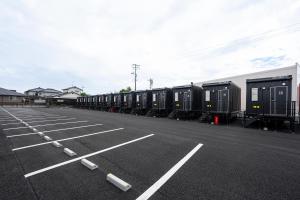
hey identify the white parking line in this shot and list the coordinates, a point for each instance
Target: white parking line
(4, 118)
(8, 120)
(149, 192)
(85, 156)
(34, 118)
(60, 123)
(11, 123)
(65, 139)
(7, 129)
(55, 130)
(51, 120)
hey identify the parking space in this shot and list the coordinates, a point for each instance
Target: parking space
(159, 158)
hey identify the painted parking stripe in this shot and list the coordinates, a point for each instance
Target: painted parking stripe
(60, 123)
(12, 123)
(22, 127)
(65, 139)
(12, 120)
(34, 118)
(85, 156)
(51, 120)
(8, 120)
(149, 192)
(55, 130)
(7, 129)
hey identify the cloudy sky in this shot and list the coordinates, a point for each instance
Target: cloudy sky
(93, 43)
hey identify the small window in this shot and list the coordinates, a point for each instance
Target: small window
(115, 98)
(137, 98)
(176, 96)
(125, 96)
(106, 99)
(154, 97)
(207, 95)
(254, 94)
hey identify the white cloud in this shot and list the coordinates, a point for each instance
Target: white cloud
(175, 42)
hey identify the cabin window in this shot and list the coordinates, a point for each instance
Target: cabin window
(137, 98)
(207, 95)
(154, 97)
(254, 94)
(115, 98)
(125, 96)
(176, 96)
(106, 98)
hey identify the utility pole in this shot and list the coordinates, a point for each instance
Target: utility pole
(151, 83)
(135, 67)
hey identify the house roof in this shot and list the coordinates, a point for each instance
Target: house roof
(72, 87)
(5, 92)
(48, 90)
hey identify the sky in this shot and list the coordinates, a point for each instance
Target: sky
(92, 44)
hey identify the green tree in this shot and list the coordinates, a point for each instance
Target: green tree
(83, 94)
(128, 89)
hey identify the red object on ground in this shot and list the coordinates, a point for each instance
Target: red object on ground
(216, 120)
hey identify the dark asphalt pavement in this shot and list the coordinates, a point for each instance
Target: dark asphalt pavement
(233, 163)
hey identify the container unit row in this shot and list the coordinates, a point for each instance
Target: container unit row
(268, 97)
(183, 100)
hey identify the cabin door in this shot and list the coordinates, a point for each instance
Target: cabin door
(187, 101)
(162, 100)
(144, 100)
(129, 100)
(223, 100)
(279, 100)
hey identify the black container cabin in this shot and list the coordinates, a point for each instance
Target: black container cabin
(110, 102)
(129, 102)
(162, 102)
(269, 100)
(102, 102)
(143, 102)
(93, 102)
(186, 102)
(78, 102)
(221, 101)
(81, 102)
(86, 102)
(269, 96)
(117, 102)
(89, 102)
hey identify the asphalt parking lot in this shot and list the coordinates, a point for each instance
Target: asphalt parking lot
(158, 157)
